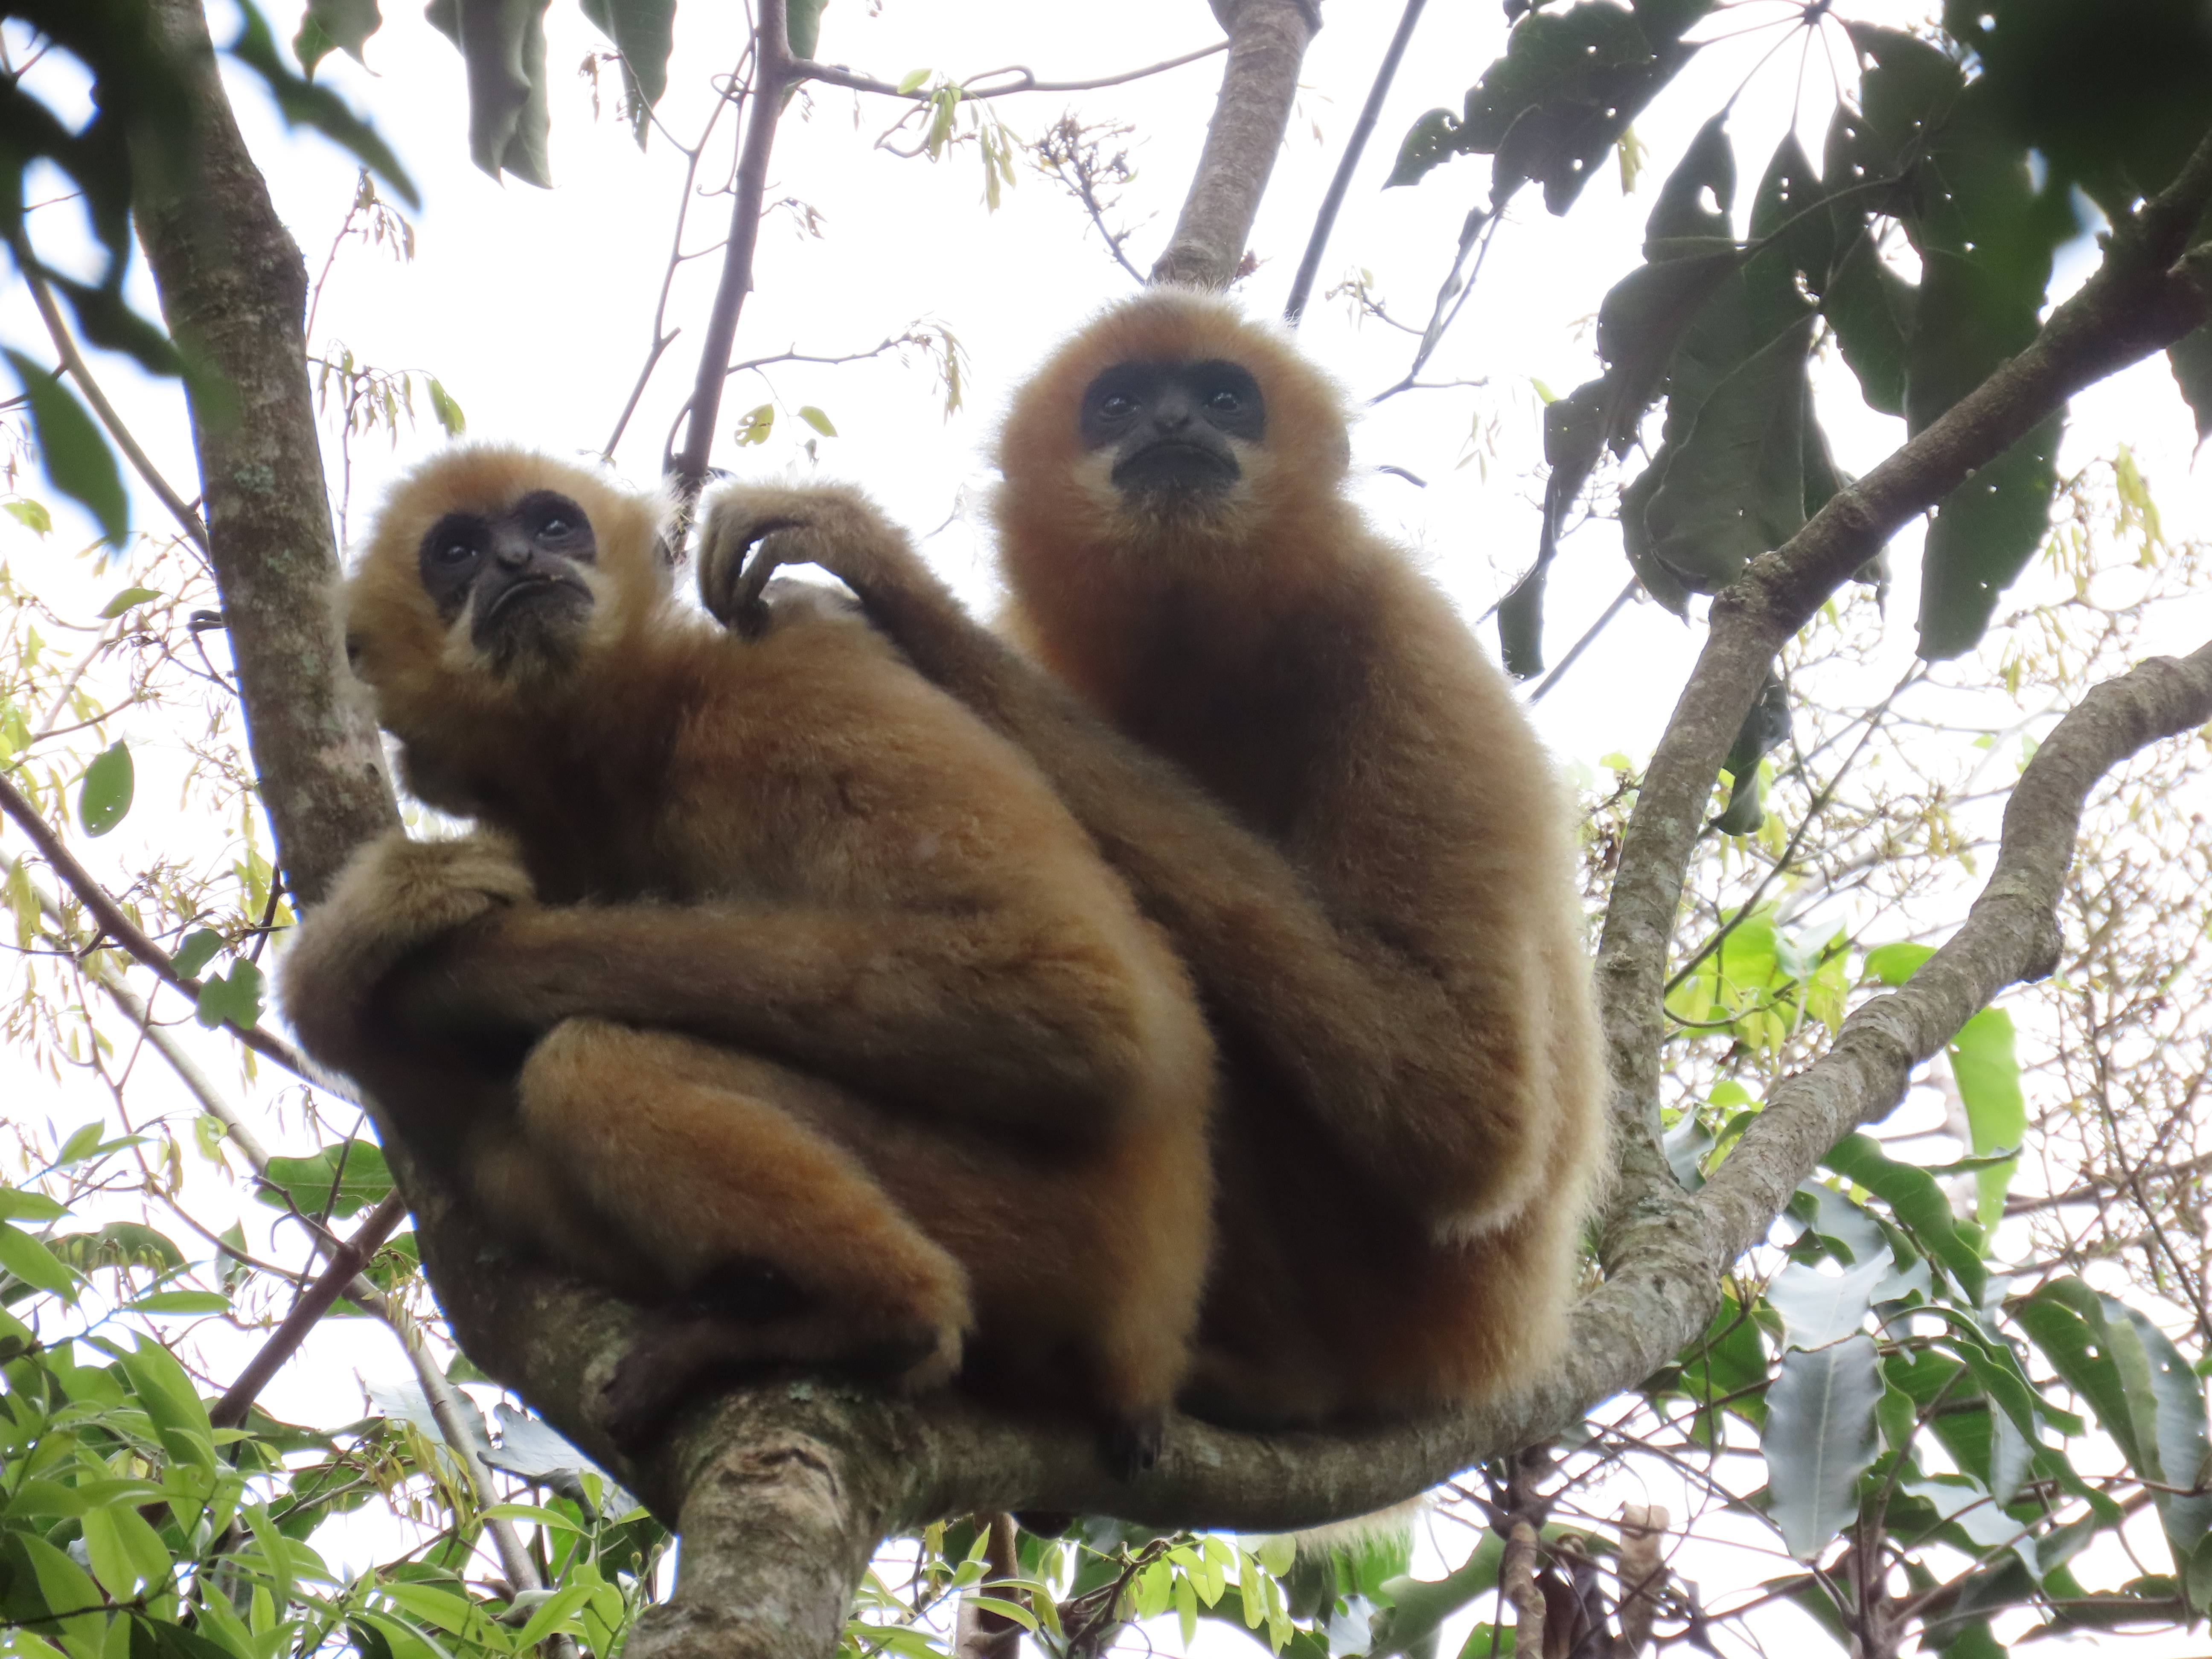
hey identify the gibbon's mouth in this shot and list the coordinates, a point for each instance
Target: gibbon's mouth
(529, 590)
(1175, 464)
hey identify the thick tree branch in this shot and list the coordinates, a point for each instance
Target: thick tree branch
(1267, 43)
(2144, 296)
(234, 289)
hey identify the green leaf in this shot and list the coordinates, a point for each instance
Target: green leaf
(644, 32)
(815, 418)
(345, 24)
(1917, 1202)
(125, 600)
(1550, 110)
(1985, 531)
(2065, 1319)
(30, 1260)
(235, 997)
(41, 1579)
(1416, 1609)
(196, 951)
(181, 1302)
(126, 1555)
(1818, 1308)
(2183, 1452)
(302, 103)
(802, 26)
(72, 448)
(31, 516)
(104, 797)
(911, 79)
(1893, 964)
(1870, 307)
(1988, 1074)
(1820, 1438)
(447, 408)
(755, 425)
(356, 1168)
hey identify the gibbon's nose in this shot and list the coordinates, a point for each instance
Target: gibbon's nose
(511, 550)
(1172, 411)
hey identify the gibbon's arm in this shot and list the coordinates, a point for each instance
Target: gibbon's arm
(1032, 1023)
(1431, 1095)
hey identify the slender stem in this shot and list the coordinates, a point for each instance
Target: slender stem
(1582, 644)
(127, 934)
(42, 296)
(1302, 285)
(347, 1261)
(773, 73)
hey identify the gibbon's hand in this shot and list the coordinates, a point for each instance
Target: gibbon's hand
(396, 894)
(753, 531)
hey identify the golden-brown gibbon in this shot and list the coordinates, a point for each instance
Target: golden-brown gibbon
(1317, 782)
(783, 995)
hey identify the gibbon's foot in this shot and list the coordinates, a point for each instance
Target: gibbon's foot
(686, 1356)
(753, 531)
(1132, 1445)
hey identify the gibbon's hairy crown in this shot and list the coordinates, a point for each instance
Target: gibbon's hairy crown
(1058, 491)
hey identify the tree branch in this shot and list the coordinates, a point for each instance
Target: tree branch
(1267, 43)
(775, 71)
(1302, 285)
(233, 288)
(2145, 295)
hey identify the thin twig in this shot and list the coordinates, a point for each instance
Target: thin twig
(1582, 644)
(128, 936)
(1325, 221)
(72, 360)
(805, 69)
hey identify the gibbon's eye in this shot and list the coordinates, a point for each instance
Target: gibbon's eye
(1225, 402)
(1117, 405)
(556, 526)
(455, 553)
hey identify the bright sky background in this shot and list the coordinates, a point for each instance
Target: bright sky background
(534, 308)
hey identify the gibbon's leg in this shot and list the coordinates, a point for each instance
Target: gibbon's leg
(776, 1245)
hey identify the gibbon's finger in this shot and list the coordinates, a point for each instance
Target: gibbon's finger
(770, 552)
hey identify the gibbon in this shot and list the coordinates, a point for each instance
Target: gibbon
(812, 1014)
(1317, 783)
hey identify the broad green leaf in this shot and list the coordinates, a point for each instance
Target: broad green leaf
(644, 32)
(17, 1203)
(1965, 1506)
(503, 46)
(1735, 486)
(343, 25)
(39, 1576)
(802, 26)
(1550, 110)
(2065, 1321)
(447, 408)
(236, 997)
(1988, 1075)
(1818, 1308)
(1893, 964)
(1984, 533)
(1416, 1608)
(1870, 307)
(195, 950)
(72, 449)
(181, 1302)
(30, 1260)
(104, 797)
(1819, 1438)
(815, 418)
(755, 425)
(1917, 1202)
(125, 600)
(354, 1170)
(302, 103)
(31, 516)
(2183, 1452)
(126, 1554)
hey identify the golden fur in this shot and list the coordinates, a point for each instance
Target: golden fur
(955, 1080)
(1374, 889)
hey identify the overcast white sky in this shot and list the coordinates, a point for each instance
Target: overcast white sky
(534, 308)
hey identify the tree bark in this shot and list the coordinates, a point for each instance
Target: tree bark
(1267, 43)
(234, 289)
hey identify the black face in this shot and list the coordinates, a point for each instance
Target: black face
(1169, 424)
(515, 571)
